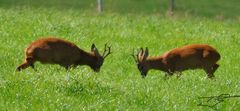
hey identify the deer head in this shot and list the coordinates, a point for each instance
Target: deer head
(99, 58)
(140, 59)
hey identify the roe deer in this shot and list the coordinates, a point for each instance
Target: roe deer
(58, 51)
(179, 59)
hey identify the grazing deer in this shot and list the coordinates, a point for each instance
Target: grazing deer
(179, 59)
(62, 52)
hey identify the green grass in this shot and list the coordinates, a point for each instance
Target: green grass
(118, 86)
(204, 8)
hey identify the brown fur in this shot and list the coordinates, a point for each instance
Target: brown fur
(58, 51)
(193, 56)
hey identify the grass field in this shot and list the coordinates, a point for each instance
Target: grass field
(204, 8)
(118, 86)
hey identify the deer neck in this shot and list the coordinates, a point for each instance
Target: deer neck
(156, 63)
(87, 59)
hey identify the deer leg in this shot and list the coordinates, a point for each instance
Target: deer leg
(168, 74)
(171, 71)
(210, 70)
(32, 65)
(179, 74)
(65, 65)
(67, 68)
(214, 67)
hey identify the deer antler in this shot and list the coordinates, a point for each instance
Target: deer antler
(105, 50)
(140, 54)
(135, 56)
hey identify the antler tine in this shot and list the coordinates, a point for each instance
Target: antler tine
(142, 51)
(140, 54)
(105, 50)
(135, 56)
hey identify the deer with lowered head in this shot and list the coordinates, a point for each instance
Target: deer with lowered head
(195, 56)
(58, 51)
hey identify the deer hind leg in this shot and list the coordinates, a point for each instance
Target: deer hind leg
(210, 70)
(167, 76)
(179, 74)
(28, 62)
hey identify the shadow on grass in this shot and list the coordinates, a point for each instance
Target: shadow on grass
(83, 88)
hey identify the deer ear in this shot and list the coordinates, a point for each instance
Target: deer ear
(145, 54)
(93, 47)
(95, 50)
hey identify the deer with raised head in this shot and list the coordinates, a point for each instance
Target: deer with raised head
(58, 51)
(195, 56)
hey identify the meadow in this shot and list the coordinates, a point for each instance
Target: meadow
(118, 86)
